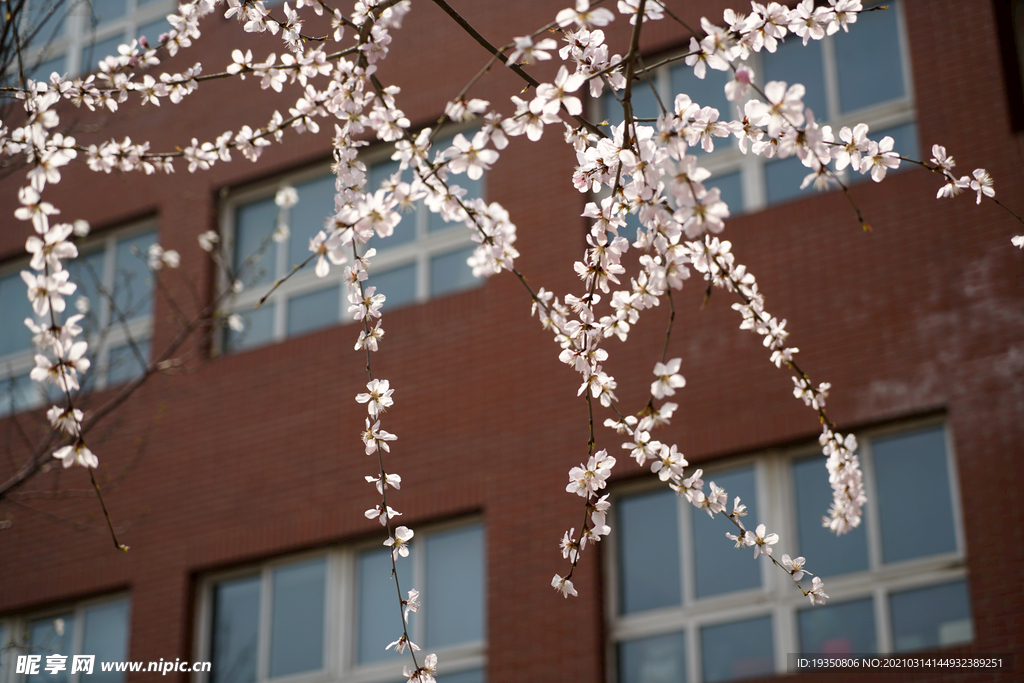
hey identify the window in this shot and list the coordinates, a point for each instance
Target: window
(424, 258)
(112, 276)
(95, 627)
(687, 606)
(330, 615)
(860, 76)
(71, 38)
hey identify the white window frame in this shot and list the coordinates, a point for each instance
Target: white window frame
(341, 616)
(112, 334)
(727, 158)
(420, 251)
(778, 597)
(19, 624)
(79, 33)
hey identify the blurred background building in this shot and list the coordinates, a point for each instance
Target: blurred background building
(237, 477)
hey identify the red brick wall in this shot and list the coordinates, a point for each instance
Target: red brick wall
(256, 454)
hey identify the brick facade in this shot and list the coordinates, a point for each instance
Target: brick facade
(254, 455)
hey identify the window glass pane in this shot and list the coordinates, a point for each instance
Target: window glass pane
(48, 20)
(258, 330)
(297, 618)
(87, 273)
(904, 140)
(838, 629)
(122, 363)
(783, 178)
(45, 637)
(649, 553)
(42, 70)
(794, 63)
(927, 618)
(379, 620)
(731, 187)
(742, 649)
(103, 11)
(450, 273)
(236, 616)
(914, 500)
(454, 599)
(661, 659)
(153, 30)
(314, 311)
(93, 54)
(868, 60)
(133, 282)
(829, 554)
(473, 188)
(14, 308)
(709, 92)
(4, 647)
(397, 284)
(405, 231)
(17, 394)
(106, 636)
(254, 224)
(645, 104)
(306, 219)
(474, 676)
(719, 566)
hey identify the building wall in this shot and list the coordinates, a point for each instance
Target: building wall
(249, 456)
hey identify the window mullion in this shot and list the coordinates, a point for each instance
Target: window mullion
(263, 631)
(686, 550)
(870, 512)
(883, 623)
(831, 69)
(693, 658)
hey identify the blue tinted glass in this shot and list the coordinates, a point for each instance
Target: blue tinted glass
(405, 231)
(314, 311)
(93, 54)
(124, 365)
(645, 104)
(380, 623)
(830, 554)
(783, 178)
(306, 219)
(719, 566)
(926, 618)
(709, 92)
(794, 63)
(904, 143)
(731, 187)
(255, 254)
(17, 394)
(14, 308)
(51, 636)
(133, 283)
(297, 618)
(450, 273)
(647, 550)
(87, 274)
(742, 649)
(661, 659)
(868, 60)
(397, 284)
(838, 629)
(911, 475)
(47, 20)
(153, 30)
(106, 637)
(236, 616)
(474, 676)
(258, 329)
(42, 70)
(453, 602)
(103, 11)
